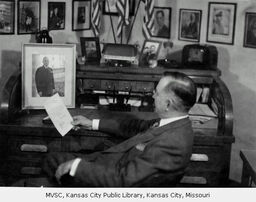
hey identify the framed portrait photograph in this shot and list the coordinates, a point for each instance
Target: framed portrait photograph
(162, 22)
(81, 15)
(90, 48)
(109, 7)
(190, 25)
(149, 52)
(250, 30)
(48, 69)
(28, 16)
(221, 22)
(7, 16)
(56, 15)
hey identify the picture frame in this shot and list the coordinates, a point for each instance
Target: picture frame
(190, 25)
(90, 48)
(48, 69)
(250, 30)
(56, 15)
(112, 10)
(81, 15)
(162, 22)
(221, 23)
(149, 51)
(7, 16)
(29, 14)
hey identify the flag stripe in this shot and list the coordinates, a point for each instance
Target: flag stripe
(123, 12)
(96, 16)
(148, 20)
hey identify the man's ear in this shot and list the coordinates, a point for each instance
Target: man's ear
(168, 104)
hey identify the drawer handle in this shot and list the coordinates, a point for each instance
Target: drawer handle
(193, 180)
(30, 170)
(33, 148)
(199, 157)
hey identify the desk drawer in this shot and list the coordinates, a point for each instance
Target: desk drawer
(91, 84)
(144, 87)
(18, 166)
(109, 85)
(210, 158)
(20, 145)
(126, 85)
(206, 167)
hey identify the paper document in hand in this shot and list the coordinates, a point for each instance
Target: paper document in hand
(58, 113)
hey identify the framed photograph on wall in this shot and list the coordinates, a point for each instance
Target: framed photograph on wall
(28, 16)
(81, 15)
(109, 7)
(221, 22)
(190, 25)
(162, 22)
(48, 69)
(250, 30)
(90, 48)
(56, 15)
(149, 51)
(7, 16)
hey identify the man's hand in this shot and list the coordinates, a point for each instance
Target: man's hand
(40, 94)
(82, 121)
(63, 169)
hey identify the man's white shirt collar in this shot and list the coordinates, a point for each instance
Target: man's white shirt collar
(169, 120)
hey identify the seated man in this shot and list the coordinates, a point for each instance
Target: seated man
(151, 151)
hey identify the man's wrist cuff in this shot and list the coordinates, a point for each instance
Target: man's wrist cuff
(74, 166)
(95, 124)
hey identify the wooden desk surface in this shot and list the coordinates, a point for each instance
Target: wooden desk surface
(31, 123)
(249, 157)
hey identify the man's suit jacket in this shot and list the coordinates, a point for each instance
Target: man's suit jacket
(162, 150)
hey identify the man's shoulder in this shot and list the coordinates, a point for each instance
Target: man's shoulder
(165, 28)
(40, 68)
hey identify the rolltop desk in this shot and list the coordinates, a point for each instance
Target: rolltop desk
(25, 140)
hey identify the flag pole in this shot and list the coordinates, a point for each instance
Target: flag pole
(135, 16)
(111, 21)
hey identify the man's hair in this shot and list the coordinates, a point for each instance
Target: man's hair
(160, 11)
(182, 89)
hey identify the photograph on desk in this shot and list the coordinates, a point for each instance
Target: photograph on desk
(90, 48)
(47, 69)
(149, 52)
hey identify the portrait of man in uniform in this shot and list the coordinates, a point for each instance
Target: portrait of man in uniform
(48, 69)
(44, 79)
(221, 22)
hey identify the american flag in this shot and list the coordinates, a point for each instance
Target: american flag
(123, 12)
(96, 16)
(148, 20)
